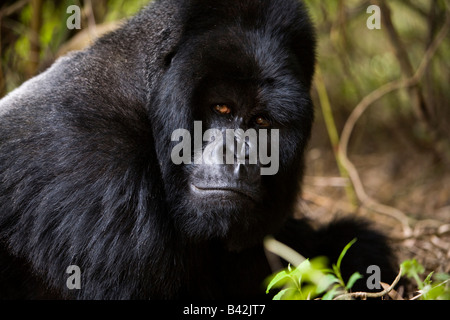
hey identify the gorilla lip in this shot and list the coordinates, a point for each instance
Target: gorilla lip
(225, 189)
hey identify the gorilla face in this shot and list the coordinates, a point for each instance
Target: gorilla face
(229, 79)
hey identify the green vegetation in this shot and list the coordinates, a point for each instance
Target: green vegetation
(433, 287)
(314, 280)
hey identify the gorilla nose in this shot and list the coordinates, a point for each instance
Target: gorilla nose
(248, 173)
(228, 168)
(231, 149)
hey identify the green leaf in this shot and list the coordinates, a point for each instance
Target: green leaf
(427, 280)
(280, 294)
(341, 256)
(332, 293)
(325, 283)
(308, 292)
(302, 269)
(337, 267)
(411, 268)
(355, 277)
(437, 292)
(327, 270)
(337, 272)
(430, 293)
(278, 280)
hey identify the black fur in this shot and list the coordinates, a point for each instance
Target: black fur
(85, 170)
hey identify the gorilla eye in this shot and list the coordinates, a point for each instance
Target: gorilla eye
(262, 122)
(222, 109)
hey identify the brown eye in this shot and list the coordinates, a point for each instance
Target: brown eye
(222, 109)
(262, 122)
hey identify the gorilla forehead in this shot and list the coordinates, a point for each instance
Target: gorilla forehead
(250, 39)
(278, 15)
(259, 28)
(243, 54)
(250, 66)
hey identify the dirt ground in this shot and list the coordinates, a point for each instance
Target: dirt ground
(410, 183)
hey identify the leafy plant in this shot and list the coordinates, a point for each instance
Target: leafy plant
(434, 287)
(313, 279)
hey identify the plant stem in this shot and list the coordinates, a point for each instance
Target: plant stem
(333, 134)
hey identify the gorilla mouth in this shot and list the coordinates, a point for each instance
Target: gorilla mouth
(229, 191)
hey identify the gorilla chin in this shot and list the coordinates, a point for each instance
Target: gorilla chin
(229, 210)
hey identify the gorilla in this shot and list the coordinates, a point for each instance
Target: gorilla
(86, 170)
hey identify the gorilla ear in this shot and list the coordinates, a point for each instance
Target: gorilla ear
(169, 58)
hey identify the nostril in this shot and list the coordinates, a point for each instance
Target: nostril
(247, 150)
(250, 174)
(237, 170)
(240, 147)
(242, 152)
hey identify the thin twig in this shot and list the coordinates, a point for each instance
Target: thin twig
(418, 296)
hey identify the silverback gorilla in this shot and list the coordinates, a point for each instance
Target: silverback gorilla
(87, 179)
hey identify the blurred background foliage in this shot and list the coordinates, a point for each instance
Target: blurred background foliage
(34, 32)
(400, 145)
